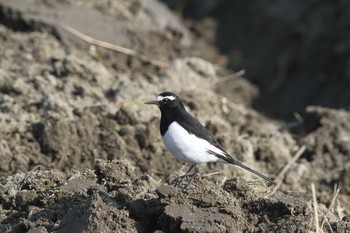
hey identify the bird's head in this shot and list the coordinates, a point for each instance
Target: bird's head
(166, 100)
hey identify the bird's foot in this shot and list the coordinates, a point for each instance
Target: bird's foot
(191, 177)
(179, 180)
(183, 182)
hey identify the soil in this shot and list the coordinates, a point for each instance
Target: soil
(80, 152)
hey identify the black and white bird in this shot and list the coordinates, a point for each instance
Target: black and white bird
(188, 140)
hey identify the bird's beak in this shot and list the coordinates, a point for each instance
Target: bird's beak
(152, 102)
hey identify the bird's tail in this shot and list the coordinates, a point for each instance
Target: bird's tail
(244, 167)
(227, 158)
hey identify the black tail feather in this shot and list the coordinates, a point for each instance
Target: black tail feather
(244, 167)
(231, 160)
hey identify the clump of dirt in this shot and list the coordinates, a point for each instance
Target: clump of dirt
(113, 197)
(327, 142)
(81, 152)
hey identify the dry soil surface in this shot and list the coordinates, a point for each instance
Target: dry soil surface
(80, 152)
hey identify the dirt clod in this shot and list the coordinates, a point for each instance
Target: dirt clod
(80, 152)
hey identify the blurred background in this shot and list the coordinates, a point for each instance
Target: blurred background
(296, 52)
(73, 120)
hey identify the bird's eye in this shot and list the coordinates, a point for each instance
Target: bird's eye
(165, 100)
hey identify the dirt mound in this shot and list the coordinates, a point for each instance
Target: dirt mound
(80, 151)
(113, 197)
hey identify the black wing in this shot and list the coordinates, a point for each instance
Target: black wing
(194, 127)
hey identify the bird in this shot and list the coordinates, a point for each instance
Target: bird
(188, 140)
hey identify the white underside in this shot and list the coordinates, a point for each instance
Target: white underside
(187, 147)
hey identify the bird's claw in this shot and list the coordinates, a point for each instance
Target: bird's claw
(179, 180)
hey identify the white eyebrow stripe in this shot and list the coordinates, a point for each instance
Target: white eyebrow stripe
(160, 98)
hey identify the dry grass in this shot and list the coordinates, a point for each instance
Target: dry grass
(116, 48)
(230, 76)
(335, 196)
(315, 222)
(283, 172)
(314, 201)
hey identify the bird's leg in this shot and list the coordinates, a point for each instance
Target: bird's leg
(196, 171)
(179, 180)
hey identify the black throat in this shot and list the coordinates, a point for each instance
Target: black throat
(169, 115)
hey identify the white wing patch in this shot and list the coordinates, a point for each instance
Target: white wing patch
(189, 148)
(160, 98)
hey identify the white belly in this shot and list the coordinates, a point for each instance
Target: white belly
(188, 147)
